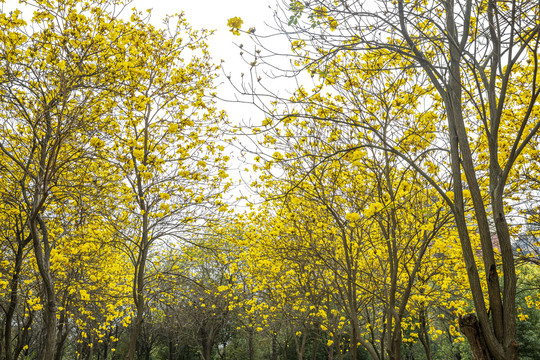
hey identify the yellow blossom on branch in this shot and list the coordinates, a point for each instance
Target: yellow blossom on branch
(235, 24)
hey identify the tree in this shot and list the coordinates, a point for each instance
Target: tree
(57, 76)
(165, 145)
(478, 61)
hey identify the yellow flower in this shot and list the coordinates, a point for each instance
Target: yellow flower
(333, 23)
(352, 217)
(235, 23)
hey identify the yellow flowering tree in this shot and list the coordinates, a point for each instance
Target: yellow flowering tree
(164, 143)
(56, 79)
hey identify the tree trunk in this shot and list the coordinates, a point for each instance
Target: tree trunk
(300, 347)
(331, 352)
(43, 263)
(138, 284)
(314, 346)
(13, 300)
(148, 350)
(91, 351)
(63, 336)
(354, 343)
(105, 350)
(50, 326)
(251, 347)
(423, 333)
(135, 331)
(361, 340)
(274, 347)
(24, 336)
(469, 326)
(1, 342)
(208, 352)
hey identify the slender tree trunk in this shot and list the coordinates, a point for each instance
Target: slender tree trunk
(105, 350)
(148, 350)
(13, 299)
(300, 347)
(135, 331)
(284, 350)
(208, 352)
(354, 343)
(274, 346)
(251, 345)
(43, 263)
(424, 337)
(50, 323)
(1, 342)
(331, 352)
(23, 336)
(314, 346)
(138, 285)
(91, 351)
(63, 334)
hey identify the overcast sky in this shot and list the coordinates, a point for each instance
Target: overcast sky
(213, 15)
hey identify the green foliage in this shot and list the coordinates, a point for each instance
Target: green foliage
(528, 329)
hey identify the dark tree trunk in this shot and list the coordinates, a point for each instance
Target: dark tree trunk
(23, 336)
(14, 297)
(1, 342)
(300, 347)
(49, 298)
(314, 347)
(207, 352)
(63, 332)
(148, 350)
(274, 347)
(251, 346)
(424, 336)
(469, 326)
(331, 352)
(138, 286)
(135, 331)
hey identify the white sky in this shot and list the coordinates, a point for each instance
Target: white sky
(213, 15)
